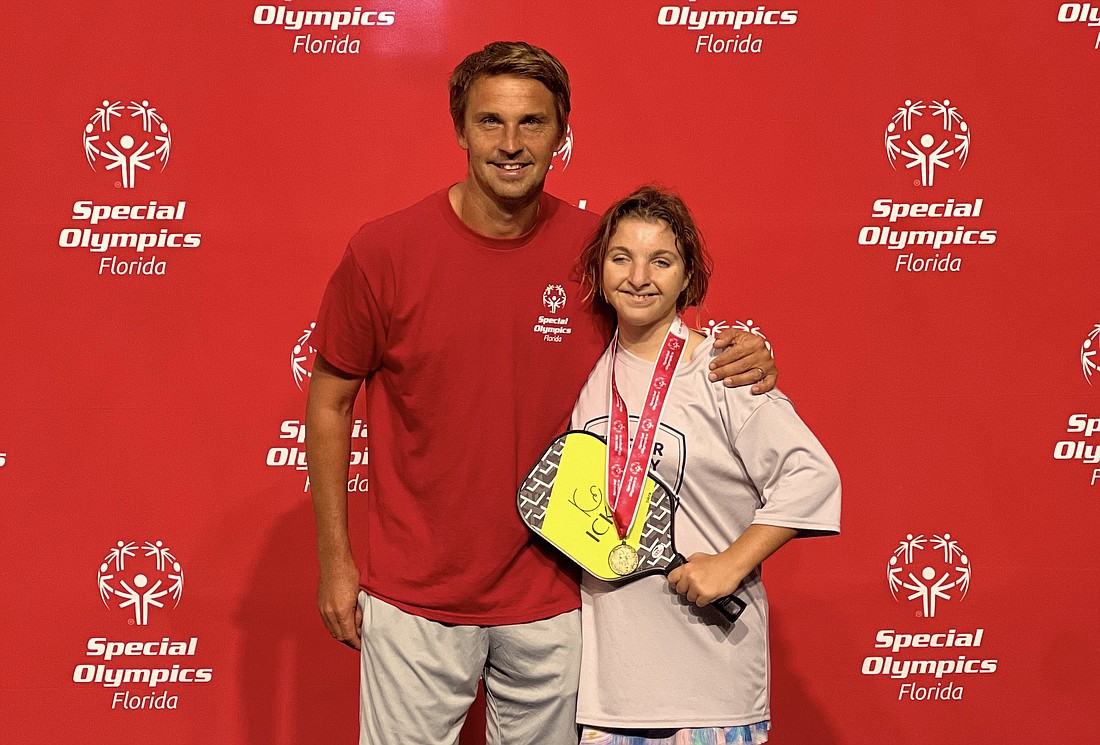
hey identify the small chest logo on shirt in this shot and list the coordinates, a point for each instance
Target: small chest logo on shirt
(553, 297)
(553, 327)
(669, 451)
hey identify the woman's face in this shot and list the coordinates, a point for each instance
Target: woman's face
(643, 273)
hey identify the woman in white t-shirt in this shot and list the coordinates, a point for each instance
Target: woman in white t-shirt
(659, 666)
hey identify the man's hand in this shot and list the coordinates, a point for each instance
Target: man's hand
(745, 360)
(705, 578)
(337, 596)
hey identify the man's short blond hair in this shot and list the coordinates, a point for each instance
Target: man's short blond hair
(510, 58)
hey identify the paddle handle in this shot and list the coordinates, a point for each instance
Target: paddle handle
(730, 606)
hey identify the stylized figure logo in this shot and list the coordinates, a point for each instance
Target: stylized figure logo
(938, 141)
(302, 356)
(553, 297)
(126, 146)
(929, 570)
(565, 153)
(1089, 365)
(138, 577)
(717, 327)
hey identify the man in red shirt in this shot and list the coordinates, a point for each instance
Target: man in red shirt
(465, 318)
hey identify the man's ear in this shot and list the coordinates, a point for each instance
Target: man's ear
(561, 137)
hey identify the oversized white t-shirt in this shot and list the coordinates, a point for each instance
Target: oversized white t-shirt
(650, 658)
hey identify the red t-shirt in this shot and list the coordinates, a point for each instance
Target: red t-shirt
(475, 350)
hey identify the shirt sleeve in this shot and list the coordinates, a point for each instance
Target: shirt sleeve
(798, 483)
(352, 321)
(575, 419)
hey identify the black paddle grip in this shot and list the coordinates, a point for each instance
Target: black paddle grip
(731, 607)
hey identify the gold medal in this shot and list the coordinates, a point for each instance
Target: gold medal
(623, 560)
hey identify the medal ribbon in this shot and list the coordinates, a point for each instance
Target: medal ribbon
(626, 471)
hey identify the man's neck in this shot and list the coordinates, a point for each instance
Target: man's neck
(490, 218)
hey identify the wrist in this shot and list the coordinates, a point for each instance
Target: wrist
(336, 560)
(734, 567)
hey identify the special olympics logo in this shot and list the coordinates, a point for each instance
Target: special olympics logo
(302, 356)
(553, 297)
(717, 327)
(565, 152)
(1089, 365)
(138, 577)
(930, 570)
(127, 145)
(940, 141)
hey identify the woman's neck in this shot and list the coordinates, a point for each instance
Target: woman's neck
(645, 342)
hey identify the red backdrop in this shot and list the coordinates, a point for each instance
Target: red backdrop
(956, 389)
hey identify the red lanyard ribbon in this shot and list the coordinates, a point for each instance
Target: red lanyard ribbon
(626, 473)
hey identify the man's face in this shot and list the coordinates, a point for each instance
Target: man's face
(510, 133)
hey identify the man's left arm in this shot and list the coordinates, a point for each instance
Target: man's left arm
(744, 360)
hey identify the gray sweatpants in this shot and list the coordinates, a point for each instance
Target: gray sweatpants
(418, 678)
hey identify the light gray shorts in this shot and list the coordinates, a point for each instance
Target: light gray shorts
(418, 678)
